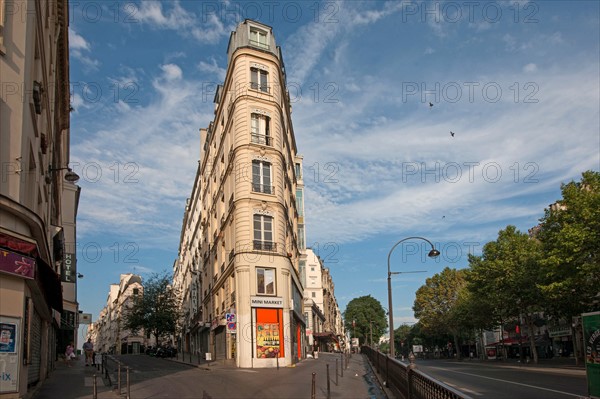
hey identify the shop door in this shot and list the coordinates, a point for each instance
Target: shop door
(220, 343)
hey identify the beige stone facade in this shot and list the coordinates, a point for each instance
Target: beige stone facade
(108, 332)
(37, 205)
(242, 241)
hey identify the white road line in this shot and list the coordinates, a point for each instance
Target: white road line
(510, 382)
(463, 389)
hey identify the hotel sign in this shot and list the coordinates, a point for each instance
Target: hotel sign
(68, 269)
(266, 302)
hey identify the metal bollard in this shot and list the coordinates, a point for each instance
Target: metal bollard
(277, 362)
(119, 378)
(190, 356)
(328, 384)
(313, 388)
(128, 386)
(95, 392)
(342, 369)
(336, 372)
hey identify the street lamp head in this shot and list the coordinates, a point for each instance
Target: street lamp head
(433, 253)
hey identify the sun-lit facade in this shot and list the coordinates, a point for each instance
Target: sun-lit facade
(245, 263)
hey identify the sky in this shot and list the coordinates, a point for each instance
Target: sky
(444, 120)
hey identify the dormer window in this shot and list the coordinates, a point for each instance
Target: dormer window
(258, 38)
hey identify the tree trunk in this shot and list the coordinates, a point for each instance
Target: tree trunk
(457, 347)
(529, 321)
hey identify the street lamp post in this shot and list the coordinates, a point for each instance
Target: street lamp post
(433, 253)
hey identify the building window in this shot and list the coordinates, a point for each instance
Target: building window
(265, 281)
(300, 202)
(258, 38)
(260, 129)
(301, 244)
(298, 171)
(258, 79)
(261, 177)
(263, 233)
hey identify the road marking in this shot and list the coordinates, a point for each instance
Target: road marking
(463, 389)
(510, 382)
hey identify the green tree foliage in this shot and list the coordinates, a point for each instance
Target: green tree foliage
(570, 236)
(366, 312)
(435, 303)
(506, 276)
(157, 310)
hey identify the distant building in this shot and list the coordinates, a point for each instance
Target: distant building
(38, 197)
(325, 327)
(108, 333)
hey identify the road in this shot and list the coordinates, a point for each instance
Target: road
(508, 381)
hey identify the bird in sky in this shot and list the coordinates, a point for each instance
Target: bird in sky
(430, 104)
(452, 134)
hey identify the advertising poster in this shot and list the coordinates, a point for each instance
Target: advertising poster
(267, 340)
(591, 337)
(9, 354)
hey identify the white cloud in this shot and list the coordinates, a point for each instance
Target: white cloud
(211, 67)
(77, 42)
(208, 29)
(171, 71)
(77, 46)
(531, 67)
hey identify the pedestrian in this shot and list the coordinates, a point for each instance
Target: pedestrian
(69, 354)
(88, 348)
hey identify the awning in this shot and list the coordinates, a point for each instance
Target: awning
(326, 335)
(49, 282)
(511, 341)
(45, 277)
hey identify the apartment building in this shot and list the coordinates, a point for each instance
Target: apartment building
(241, 239)
(108, 333)
(38, 197)
(325, 328)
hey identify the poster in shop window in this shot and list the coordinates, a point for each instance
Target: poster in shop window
(9, 354)
(267, 340)
(591, 337)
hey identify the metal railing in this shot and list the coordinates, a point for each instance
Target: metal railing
(406, 382)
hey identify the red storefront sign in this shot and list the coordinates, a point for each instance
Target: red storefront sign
(17, 264)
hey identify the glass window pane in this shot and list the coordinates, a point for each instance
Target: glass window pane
(260, 280)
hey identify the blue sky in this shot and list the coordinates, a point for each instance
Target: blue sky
(516, 82)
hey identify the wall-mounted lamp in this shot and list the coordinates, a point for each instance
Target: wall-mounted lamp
(70, 176)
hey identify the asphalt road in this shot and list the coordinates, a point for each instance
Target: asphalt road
(508, 381)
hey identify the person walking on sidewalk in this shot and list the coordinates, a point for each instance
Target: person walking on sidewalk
(88, 348)
(69, 354)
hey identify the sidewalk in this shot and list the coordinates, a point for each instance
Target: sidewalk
(193, 361)
(358, 381)
(75, 382)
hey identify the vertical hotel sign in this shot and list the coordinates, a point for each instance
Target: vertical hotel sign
(591, 338)
(68, 269)
(16, 264)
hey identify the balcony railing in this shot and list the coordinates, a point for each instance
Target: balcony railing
(260, 86)
(262, 188)
(264, 245)
(262, 139)
(258, 44)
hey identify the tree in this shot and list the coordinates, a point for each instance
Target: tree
(435, 302)
(157, 309)
(505, 278)
(570, 237)
(361, 315)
